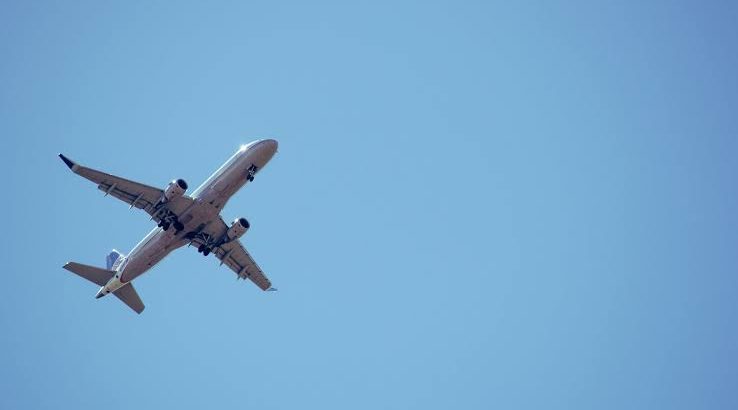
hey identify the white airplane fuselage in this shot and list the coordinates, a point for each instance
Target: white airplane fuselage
(209, 200)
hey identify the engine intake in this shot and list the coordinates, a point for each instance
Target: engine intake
(238, 228)
(175, 189)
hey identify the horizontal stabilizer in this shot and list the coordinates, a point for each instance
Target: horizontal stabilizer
(128, 295)
(95, 275)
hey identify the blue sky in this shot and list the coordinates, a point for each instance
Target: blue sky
(475, 204)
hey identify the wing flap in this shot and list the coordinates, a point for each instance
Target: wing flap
(140, 200)
(237, 258)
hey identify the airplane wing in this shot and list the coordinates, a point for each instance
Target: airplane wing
(238, 259)
(235, 256)
(133, 193)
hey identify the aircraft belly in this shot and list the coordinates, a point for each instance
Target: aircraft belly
(150, 253)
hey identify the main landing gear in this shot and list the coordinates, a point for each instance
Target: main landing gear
(208, 243)
(168, 219)
(178, 226)
(165, 224)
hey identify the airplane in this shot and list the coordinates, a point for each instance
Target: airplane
(181, 220)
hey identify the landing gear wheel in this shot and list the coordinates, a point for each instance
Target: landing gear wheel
(201, 248)
(178, 226)
(206, 252)
(165, 226)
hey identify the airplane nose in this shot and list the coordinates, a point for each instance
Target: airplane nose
(260, 151)
(272, 145)
(266, 149)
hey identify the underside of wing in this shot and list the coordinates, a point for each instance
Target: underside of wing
(135, 194)
(232, 254)
(235, 256)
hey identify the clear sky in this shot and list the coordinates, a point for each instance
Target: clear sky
(475, 205)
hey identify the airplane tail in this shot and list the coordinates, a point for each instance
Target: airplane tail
(112, 258)
(127, 294)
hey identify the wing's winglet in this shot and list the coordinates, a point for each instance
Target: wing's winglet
(272, 290)
(67, 161)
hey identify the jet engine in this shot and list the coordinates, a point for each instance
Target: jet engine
(237, 229)
(175, 189)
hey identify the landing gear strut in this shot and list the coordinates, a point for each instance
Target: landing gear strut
(207, 242)
(171, 220)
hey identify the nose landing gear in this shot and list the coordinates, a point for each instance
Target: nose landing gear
(251, 172)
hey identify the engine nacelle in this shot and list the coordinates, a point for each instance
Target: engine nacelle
(175, 189)
(237, 229)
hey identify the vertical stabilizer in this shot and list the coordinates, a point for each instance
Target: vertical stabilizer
(112, 258)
